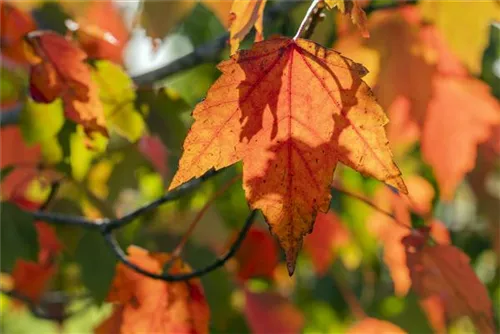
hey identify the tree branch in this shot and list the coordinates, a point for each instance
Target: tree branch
(115, 246)
(207, 52)
(106, 224)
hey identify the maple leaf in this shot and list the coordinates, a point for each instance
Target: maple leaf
(31, 278)
(469, 38)
(270, 312)
(257, 256)
(352, 9)
(391, 234)
(15, 23)
(444, 272)
(328, 235)
(375, 326)
(428, 94)
(289, 135)
(14, 151)
(145, 305)
(244, 15)
(58, 70)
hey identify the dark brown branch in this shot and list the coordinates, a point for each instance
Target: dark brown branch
(113, 243)
(106, 224)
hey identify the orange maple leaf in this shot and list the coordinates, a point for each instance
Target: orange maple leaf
(58, 70)
(429, 94)
(257, 256)
(444, 272)
(328, 234)
(244, 15)
(290, 110)
(269, 312)
(375, 326)
(145, 305)
(390, 233)
(15, 23)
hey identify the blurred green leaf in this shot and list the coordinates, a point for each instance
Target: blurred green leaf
(83, 150)
(117, 94)
(491, 60)
(5, 172)
(98, 264)
(41, 121)
(18, 237)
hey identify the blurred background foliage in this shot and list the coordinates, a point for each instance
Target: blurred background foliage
(106, 178)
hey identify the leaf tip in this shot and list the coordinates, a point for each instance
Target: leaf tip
(291, 259)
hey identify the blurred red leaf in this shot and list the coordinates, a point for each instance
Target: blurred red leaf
(15, 23)
(101, 31)
(327, 235)
(31, 278)
(153, 148)
(435, 312)
(270, 312)
(58, 70)
(375, 326)
(444, 272)
(257, 256)
(14, 152)
(145, 305)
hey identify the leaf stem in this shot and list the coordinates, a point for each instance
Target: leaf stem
(310, 20)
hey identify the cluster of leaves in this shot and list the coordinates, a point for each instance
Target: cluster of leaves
(85, 138)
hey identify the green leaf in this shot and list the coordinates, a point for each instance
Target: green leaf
(52, 152)
(5, 172)
(117, 94)
(18, 237)
(98, 264)
(83, 150)
(40, 121)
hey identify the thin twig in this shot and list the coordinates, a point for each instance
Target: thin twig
(309, 22)
(349, 296)
(178, 250)
(168, 197)
(370, 203)
(207, 52)
(106, 224)
(113, 243)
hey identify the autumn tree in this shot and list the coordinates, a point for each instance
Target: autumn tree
(250, 166)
